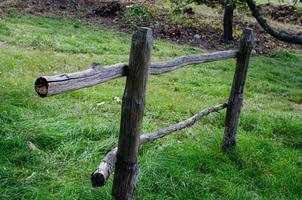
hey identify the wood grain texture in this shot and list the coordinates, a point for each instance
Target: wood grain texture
(163, 67)
(236, 96)
(100, 176)
(51, 85)
(124, 182)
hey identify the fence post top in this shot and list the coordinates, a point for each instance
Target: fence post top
(144, 29)
(248, 30)
(247, 35)
(142, 33)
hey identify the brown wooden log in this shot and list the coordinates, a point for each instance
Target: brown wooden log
(236, 96)
(51, 85)
(126, 169)
(100, 176)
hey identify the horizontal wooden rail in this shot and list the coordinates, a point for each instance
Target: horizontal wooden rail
(100, 176)
(52, 85)
(163, 67)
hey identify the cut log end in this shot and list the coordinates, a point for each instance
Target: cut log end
(41, 87)
(97, 179)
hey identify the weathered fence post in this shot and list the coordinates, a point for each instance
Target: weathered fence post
(126, 169)
(236, 96)
(228, 16)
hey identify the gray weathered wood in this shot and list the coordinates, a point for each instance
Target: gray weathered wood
(100, 176)
(52, 85)
(163, 67)
(236, 97)
(124, 182)
(181, 125)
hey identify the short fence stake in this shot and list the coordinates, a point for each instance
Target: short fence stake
(236, 96)
(126, 169)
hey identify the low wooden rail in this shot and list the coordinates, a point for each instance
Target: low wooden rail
(52, 85)
(124, 157)
(100, 176)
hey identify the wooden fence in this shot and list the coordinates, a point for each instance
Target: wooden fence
(124, 157)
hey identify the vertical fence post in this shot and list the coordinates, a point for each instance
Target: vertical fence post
(228, 16)
(236, 96)
(126, 169)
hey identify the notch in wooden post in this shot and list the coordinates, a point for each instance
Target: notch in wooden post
(126, 169)
(236, 97)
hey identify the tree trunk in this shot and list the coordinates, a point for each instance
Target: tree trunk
(280, 35)
(228, 21)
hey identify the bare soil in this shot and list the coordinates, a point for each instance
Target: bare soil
(283, 13)
(205, 36)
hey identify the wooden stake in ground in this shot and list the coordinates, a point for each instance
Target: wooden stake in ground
(228, 16)
(236, 96)
(133, 106)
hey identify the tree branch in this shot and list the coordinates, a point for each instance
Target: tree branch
(280, 35)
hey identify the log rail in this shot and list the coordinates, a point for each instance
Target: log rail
(100, 176)
(51, 85)
(124, 157)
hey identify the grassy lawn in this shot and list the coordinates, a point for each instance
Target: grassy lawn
(73, 131)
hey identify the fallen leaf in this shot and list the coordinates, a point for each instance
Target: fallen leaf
(32, 146)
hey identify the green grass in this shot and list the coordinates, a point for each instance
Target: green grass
(73, 132)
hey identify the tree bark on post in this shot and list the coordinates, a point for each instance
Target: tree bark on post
(236, 97)
(126, 169)
(228, 21)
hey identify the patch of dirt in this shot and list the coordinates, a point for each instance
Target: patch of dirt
(206, 37)
(109, 10)
(39, 6)
(297, 107)
(210, 3)
(282, 13)
(207, 34)
(101, 8)
(210, 38)
(265, 43)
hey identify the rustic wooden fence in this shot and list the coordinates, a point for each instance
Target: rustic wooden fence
(124, 157)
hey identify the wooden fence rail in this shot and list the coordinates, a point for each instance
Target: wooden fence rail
(100, 176)
(52, 85)
(124, 157)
